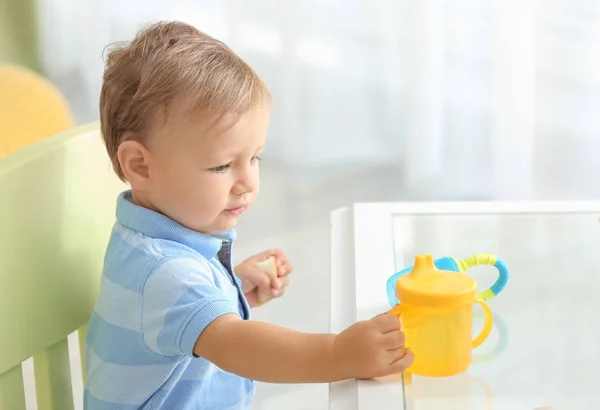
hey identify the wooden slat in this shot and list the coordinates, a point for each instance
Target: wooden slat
(12, 393)
(53, 377)
(81, 333)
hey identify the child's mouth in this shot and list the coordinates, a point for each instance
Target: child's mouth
(237, 211)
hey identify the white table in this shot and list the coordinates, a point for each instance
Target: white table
(544, 349)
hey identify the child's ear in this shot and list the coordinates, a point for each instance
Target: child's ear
(134, 160)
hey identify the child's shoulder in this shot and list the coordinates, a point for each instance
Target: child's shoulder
(146, 247)
(132, 253)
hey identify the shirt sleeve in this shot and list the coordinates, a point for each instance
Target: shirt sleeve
(179, 300)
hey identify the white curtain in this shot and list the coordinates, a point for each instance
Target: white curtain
(469, 98)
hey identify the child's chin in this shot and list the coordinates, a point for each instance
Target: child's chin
(228, 224)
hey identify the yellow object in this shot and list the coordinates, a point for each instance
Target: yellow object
(436, 311)
(31, 109)
(270, 268)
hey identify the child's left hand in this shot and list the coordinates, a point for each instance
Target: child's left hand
(253, 278)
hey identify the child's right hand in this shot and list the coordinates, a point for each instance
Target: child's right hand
(372, 348)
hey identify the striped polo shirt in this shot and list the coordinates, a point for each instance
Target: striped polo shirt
(161, 286)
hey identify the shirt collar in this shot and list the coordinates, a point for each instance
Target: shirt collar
(159, 226)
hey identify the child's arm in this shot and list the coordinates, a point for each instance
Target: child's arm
(183, 312)
(270, 353)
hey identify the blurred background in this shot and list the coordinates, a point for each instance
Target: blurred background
(386, 100)
(493, 99)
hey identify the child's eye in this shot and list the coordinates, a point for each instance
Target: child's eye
(221, 168)
(254, 159)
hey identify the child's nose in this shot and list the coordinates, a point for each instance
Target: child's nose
(247, 183)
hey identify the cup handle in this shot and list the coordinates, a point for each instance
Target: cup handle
(396, 310)
(487, 324)
(487, 391)
(491, 260)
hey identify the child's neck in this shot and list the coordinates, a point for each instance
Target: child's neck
(142, 200)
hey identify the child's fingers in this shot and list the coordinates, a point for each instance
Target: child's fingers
(280, 283)
(284, 280)
(277, 292)
(284, 267)
(407, 358)
(277, 253)
(260, 279)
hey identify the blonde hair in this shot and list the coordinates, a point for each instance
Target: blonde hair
(165, 61)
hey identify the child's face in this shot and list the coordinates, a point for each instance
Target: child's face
(205, 174)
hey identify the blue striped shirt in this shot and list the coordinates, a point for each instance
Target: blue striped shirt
(161, 286)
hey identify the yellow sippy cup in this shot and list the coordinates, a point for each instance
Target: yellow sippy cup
(436, 311)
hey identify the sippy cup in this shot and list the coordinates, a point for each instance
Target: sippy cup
(436, 311)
